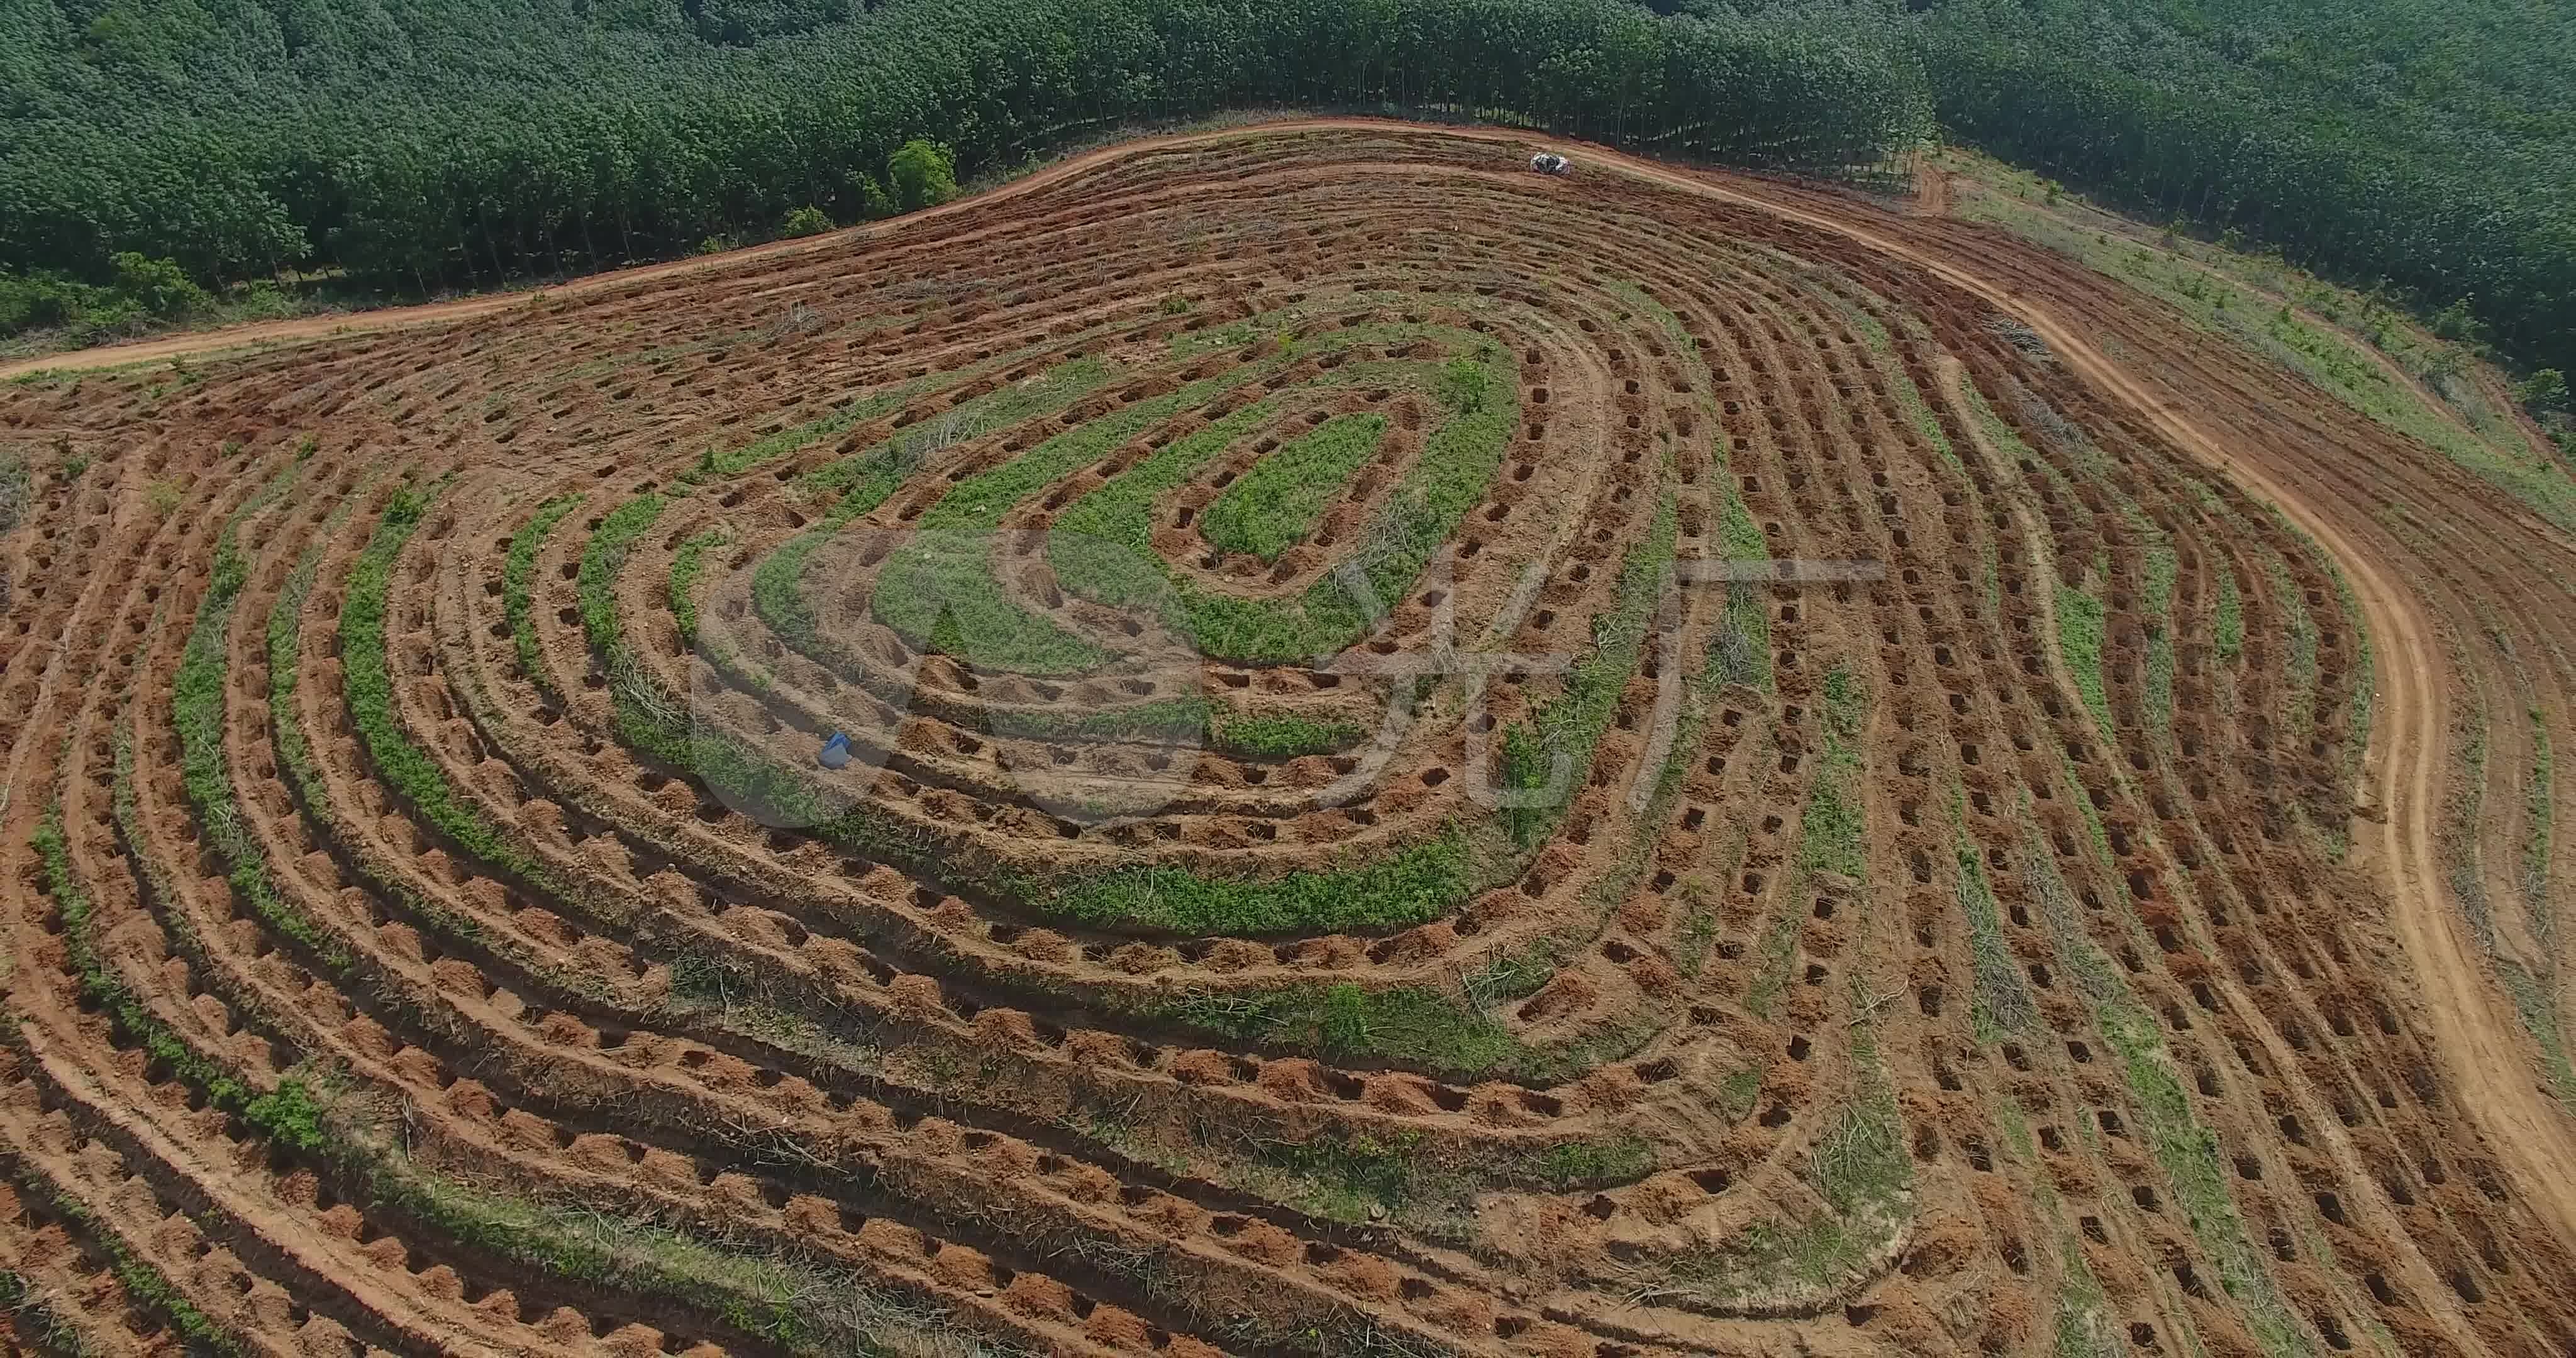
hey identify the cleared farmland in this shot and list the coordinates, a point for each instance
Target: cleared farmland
(1445, 761)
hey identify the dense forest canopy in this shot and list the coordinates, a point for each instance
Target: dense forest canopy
(449, 141)
(419, 144)
(2427, 143)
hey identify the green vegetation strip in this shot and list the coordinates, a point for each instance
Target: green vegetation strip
(2002, 1004)
(2079, 641)
(278, 1113)
(2227, 627)
(145, 1284)
(516, 574)
(197, 707)
(367, 684)
(687, 565)
(1833, 832)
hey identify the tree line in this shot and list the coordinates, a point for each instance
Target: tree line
(411, 146)
(416, 145)
(2425, 145)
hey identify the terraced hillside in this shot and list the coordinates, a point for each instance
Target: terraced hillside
(1444, 761)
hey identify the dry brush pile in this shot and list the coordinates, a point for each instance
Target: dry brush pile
(431, 932)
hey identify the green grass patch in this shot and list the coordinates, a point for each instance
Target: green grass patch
(517, 574)
(688, 565)
(2227, 625)
(1833, 833)
(1741, 650)
(17, 489)
(1738, 1092)
(1416, 1027)
(1418, 883)
(2299, 669)
(2079, 641)
(2157, 603)
(2189, 1152)
(1276, 503)
(1281, 737)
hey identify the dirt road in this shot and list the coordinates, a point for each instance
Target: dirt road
(2472, 1024)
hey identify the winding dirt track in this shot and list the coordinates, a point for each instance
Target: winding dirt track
(2478, 1035)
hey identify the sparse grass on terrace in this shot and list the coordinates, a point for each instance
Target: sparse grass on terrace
(2156, 602)
(1350, 1178)
(2227, 624)
(1860, 1169)
(144, 1284)
(2002, 1004)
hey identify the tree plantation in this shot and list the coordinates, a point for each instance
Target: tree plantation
(418, 145)
(407, 146)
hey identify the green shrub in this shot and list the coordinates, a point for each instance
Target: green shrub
(806, 221)
(2543, 390)
(924, 174)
